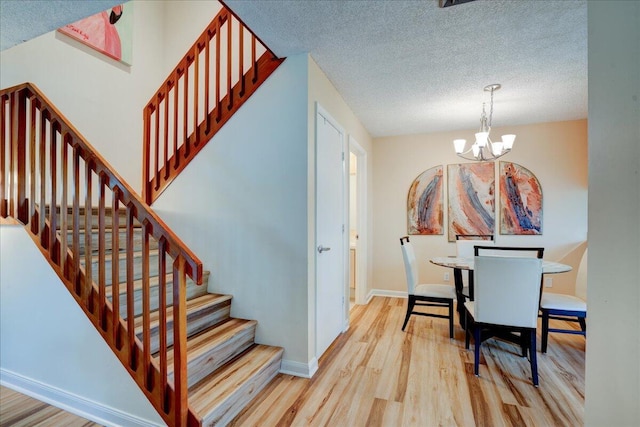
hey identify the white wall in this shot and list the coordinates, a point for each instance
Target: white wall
(555, 152)
(613, 341)
(241, 206)
(101, 97)
(184, 21)
(48, 347)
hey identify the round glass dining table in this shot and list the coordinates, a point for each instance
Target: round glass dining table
(548, 267)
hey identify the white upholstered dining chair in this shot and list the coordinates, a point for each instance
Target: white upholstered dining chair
(424, 295)
(507, 294)
(570, 308)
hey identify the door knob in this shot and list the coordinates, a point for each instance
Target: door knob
(323, 249)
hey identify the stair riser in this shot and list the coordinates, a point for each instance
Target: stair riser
(200, 367)
(122, 220)
(193, 291)
(197, 321)
(122, 268)
(137, 241)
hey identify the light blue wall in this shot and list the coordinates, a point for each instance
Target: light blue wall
(48, 347)
(613, 342)
(241, 206)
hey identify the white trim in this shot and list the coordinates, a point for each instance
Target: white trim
(299, 369)
(70, 402)
(385, 293)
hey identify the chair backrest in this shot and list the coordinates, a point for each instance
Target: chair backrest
(509, 251)
(581, 278)
(507, 290)
(464, 248)
(410, 266)
(474, 236)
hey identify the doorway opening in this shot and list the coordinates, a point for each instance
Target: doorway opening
(357, 223)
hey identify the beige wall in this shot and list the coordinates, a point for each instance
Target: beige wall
(555, 152)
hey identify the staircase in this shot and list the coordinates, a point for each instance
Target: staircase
(141, 287)
(137, 282)
(225, 367)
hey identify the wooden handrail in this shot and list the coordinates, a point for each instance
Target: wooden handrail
(50, 176)
(199, 96)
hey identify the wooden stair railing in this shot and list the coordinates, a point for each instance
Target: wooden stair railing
(50, 176)
(222, 69)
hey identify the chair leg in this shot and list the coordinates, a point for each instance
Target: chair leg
(467, 331)
(524, 343)
(533, 357)
(411, 302)
(583, 324)
(451, 319)
(545, 331)
(476, 347)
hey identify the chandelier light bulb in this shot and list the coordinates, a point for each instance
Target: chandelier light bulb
(476, 150)
(508, 141)
(496, 148)
(458, 145)
(481, 138)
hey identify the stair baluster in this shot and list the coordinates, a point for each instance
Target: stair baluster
(199, 77)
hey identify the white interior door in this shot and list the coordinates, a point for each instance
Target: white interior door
(331, 252)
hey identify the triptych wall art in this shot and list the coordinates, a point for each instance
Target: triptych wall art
(471, 200)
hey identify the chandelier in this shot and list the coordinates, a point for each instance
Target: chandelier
(483, 149)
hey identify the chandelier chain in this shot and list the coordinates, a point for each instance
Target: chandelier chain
(491, 110)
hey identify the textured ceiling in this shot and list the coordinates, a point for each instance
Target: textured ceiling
(22, 20)
(409, 67)
(404, 66)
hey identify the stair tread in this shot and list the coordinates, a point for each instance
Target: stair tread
(211, 392)
(194, 304)
(202, 342)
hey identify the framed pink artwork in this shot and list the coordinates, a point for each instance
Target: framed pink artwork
(109, 32)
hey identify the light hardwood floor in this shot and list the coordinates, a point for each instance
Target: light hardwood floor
(19, 410)
(377, 375)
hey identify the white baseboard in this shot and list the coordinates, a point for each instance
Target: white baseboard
(385, 293)
(299, 369)
(70, 402)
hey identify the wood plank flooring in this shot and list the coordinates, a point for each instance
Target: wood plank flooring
(19, 410)
(377, 375)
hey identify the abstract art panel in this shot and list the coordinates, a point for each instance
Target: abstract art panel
(520, 200)
(109, 32)
(471, 188)
(424, 203)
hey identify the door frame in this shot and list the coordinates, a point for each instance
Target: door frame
(361, 207)
(320, 111)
